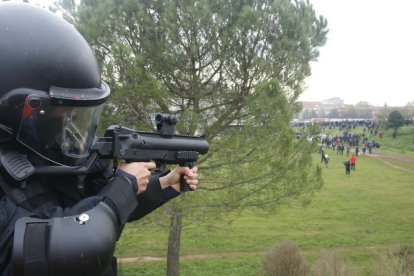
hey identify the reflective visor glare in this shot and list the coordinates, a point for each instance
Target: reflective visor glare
(79, 129)
(58, 133)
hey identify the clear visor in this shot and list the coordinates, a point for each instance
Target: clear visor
(61, 134)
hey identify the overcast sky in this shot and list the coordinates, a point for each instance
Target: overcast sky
(369, 54)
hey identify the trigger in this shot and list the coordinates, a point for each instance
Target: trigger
(160, 168)
(164, 173)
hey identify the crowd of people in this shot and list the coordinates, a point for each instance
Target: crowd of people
(351, 141)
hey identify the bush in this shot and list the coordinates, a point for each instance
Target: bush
(399, 262)
(285, 259)
(405, 256)
(330, 263)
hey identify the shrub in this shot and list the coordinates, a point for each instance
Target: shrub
(330, 263)
(285, 259)
(399, 262)
(405, 255)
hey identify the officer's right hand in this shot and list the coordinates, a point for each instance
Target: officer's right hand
(142, 172)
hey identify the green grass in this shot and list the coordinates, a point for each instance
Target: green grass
(363, 216)
(404, 143)
(214, 266)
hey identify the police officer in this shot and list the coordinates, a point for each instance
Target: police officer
(54, 221)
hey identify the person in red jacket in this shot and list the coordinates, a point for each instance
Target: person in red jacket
(353, 162)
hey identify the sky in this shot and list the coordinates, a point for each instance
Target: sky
(369, 54)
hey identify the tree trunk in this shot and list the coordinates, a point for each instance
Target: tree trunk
(174, 241)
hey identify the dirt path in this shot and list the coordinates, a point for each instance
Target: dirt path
(147, 259)
(388, 158)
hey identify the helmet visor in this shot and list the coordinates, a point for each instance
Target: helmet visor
(61, 134)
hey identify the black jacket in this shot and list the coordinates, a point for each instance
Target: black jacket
(58, 197)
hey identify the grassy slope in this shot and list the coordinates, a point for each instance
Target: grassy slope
(404, 142)
(363, 216)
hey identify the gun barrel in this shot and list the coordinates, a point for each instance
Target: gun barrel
(146, 140)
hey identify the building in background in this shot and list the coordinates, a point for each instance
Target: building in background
(335, 108)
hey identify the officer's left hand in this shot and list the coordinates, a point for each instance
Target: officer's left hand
(173, 178)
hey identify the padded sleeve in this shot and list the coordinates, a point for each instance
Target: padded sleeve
(75, 245)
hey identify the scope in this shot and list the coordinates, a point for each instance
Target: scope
(165, 124)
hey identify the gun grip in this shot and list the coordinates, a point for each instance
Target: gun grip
(184, 187)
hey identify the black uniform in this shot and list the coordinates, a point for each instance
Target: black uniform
(57, 197)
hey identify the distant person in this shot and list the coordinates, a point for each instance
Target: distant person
(347, 165)
(322, 156)
(353, 161)
(340, 149)
(326, 160)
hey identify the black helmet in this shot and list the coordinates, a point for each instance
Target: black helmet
(51, 93)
